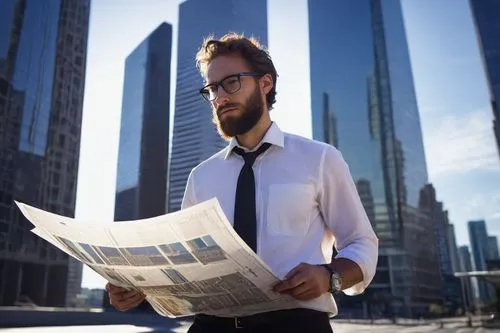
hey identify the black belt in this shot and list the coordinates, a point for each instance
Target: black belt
(273, 317)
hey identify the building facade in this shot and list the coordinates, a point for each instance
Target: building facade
(43, 49)
(363, 102)
(195, 137)
(141, 179)
(486, 14)
(493, 248)
(453, 248)
(480, 251)
(466, 266)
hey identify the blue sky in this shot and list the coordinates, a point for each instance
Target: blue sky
(449, 80)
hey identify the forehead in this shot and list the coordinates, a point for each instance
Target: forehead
(225, 65)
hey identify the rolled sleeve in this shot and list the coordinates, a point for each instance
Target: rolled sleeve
(345, 215)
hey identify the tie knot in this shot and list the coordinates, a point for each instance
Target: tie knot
(250, 157)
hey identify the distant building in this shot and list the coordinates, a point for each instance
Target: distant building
(452, 245)
(466, 266)
(493, 248)
(43, 53)
(90, 298)
(143, 153)
(480, 250)
(446, 244)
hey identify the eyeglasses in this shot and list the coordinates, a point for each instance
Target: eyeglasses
(231, 84)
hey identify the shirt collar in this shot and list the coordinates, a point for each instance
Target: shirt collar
(274, 136)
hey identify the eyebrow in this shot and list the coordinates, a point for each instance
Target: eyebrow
(225, 77)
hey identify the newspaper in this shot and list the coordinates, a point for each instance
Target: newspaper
(187, 262)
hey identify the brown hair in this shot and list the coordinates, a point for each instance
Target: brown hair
(249, 49)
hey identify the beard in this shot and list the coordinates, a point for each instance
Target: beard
(250, 113)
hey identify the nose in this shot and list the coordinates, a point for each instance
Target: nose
(222, 97)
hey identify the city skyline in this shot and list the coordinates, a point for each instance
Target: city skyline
(441, 171)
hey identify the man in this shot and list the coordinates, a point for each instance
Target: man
(290, 199)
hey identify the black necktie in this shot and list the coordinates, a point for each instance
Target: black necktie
(245, 217)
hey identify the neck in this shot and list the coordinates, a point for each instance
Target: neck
(252, 138)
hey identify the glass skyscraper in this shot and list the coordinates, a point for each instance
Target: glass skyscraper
(43, 49)
(141, 180)
(195, 137)
(466, 266)
(486, 15)
(480, 251)
(363, 102)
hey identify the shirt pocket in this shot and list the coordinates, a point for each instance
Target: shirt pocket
(289, 208)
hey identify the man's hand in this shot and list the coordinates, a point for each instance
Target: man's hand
(123, 299)
(305, 282)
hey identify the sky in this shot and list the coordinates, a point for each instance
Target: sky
(449, 80)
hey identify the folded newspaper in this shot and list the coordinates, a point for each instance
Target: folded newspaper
(187, 262)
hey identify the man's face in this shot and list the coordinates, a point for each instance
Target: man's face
(236, 113)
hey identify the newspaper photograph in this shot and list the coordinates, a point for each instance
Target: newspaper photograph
(187, 262)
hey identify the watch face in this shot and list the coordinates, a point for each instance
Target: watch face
(336, 283)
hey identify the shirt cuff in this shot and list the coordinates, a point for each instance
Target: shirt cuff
(367, 263)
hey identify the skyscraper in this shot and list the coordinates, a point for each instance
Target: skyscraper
(194, 137)
(466, 266)
(43, 48)
(480, 250)
(493, 248)
(141, 180)
(359, 58)
(486, 14)
(452, 244)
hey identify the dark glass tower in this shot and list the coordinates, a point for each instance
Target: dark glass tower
(195, 137)
(141, 181)
(486, 14)
(480, 251)
(43, 48)
(363, 102)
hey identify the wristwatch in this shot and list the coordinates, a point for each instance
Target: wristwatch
(335, 280)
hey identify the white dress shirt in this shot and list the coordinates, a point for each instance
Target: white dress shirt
(306, 202)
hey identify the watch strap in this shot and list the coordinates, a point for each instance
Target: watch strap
(330, 272)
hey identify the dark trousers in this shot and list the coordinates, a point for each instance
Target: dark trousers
(289, 321)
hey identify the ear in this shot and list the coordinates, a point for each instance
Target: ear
(266, 83)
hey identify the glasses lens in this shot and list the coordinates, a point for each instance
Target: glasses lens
(206, 94)
(231, 84)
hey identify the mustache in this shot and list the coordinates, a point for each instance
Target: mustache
(225, 107)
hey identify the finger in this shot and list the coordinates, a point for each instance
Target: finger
(130, 294)
(111, 287)
(300, 289)
(286, 285)
(123, 296)
(128, 303)
(115, 290)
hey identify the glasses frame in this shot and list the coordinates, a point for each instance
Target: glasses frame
(205, 93)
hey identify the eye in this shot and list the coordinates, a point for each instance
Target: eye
(231, 80)
(231, 84)
(211, 88)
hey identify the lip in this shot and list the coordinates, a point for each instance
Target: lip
(226, 111)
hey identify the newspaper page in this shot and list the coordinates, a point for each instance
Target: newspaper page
(187, 262)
